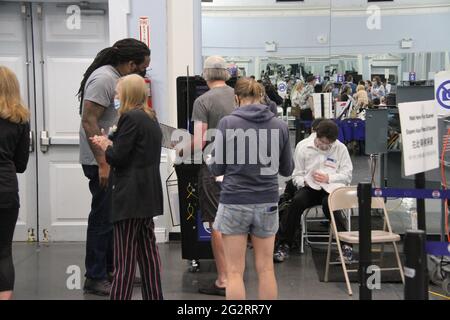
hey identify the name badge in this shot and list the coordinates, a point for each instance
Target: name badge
(330, 163)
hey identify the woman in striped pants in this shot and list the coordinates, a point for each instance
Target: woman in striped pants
(134, 153)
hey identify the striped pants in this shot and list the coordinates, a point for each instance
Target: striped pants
(134, 239)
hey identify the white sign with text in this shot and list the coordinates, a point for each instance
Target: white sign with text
(419, 125)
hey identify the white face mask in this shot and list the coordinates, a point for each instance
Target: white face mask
(116, 104)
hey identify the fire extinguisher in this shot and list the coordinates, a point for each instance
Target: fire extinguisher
(149, 92)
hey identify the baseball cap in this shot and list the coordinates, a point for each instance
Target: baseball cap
(215, 62)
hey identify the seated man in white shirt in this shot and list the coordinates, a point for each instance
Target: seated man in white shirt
(322, 164)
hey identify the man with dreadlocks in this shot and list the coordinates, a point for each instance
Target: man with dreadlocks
(98, 111)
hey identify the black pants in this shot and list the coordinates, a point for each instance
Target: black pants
(135, 241)
(304, 198)
(8, 219)
(99, 242)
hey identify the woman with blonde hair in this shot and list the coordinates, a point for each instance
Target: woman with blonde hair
(134, 153)
(361, 97)
(295, 94)
(14, 144)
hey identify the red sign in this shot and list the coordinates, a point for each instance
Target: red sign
(144, 30)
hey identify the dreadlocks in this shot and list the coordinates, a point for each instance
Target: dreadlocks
(122, 51)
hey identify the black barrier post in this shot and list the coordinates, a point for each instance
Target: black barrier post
(365, 238)
(421, 221)
(420, 184)
(416, 279)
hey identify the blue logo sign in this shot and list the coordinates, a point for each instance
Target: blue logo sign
(443, 94)
(436, 194)
(340, 78)
(378, 192)
(203, 232)
(282, 87)
(412, 76)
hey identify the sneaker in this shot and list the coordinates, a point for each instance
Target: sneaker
(97, 287)
(281, 253)
(212, 290)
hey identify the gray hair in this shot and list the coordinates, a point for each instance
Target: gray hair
(213, 74)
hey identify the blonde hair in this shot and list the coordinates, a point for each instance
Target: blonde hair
(133, 92)
(298, 85)
(360, 87)
(11, 106)
(248, 88)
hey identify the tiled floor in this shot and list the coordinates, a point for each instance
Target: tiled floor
(41, 273)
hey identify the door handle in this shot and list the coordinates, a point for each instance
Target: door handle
(45, 141)
(31, 147)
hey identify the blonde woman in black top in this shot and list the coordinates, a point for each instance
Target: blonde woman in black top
(14, 143)
(134, 154)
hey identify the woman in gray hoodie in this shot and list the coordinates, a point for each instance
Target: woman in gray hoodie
(251, 148)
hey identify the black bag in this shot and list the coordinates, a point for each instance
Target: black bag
(284, 204)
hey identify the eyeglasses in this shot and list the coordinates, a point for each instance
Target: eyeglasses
(322, 145)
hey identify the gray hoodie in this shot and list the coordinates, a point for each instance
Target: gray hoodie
(249, 158)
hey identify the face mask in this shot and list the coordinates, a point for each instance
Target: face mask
(116, 104)
(142, 73)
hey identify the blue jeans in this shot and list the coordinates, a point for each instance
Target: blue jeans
(99, 242)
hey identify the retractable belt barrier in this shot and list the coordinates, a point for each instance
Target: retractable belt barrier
(411, 193)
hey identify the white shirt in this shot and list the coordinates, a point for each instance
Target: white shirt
(335, 162)
(312, 136)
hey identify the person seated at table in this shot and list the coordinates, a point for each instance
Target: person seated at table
(322, 164)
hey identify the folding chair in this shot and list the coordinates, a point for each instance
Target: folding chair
(305, 220)
(346, 198)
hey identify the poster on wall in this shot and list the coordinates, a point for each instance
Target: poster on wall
(442, 92)
(144, 30)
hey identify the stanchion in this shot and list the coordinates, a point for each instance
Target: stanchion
(365, 238)
(416, 279)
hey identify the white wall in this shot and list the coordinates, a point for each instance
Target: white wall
(316, 3)
(243, 31)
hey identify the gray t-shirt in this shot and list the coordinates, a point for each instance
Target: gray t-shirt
(214, 105)
(100, 89)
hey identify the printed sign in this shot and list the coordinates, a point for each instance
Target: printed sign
(144, 30)
(419, 125)
(412, 76)
(340, 78)
(442, 91)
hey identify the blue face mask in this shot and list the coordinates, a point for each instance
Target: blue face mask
(116, 104)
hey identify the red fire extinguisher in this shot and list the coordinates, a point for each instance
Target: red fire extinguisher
(149, 92)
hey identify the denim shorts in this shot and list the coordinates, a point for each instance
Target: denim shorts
(260, 220)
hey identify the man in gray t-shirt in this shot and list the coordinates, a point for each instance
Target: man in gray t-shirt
(212, 106)
(209, 108)
(100, 89)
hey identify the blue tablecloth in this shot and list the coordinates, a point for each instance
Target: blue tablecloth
(349, 129)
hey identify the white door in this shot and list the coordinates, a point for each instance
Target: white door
(16, 54)
(62, 54)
